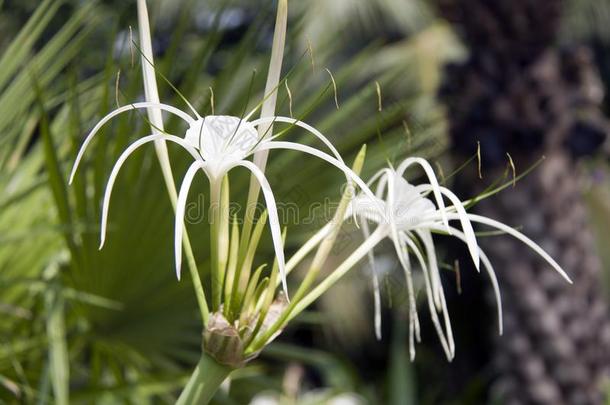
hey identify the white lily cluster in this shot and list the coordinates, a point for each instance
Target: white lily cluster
(413, 213)
(246, 313)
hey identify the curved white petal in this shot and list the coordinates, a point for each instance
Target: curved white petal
(382, 180)
(180, 211)
(490, 272)
(376, 290)
(433, 182)
(518, 235)
(471, 240)
(447, 321)
(324, 156)
(435, 277)
(116, 112)
(437, 325)
(403, 258)
(303, 125)
(274, 222)
(119, 163)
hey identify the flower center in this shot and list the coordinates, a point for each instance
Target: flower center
(222, 138)
(409, 205)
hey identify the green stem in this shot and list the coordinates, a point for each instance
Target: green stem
(215, 189)
(321, 255)
(192, 265)
(204, 382)
(377, 236)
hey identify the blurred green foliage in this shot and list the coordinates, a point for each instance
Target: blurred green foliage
(114, 325)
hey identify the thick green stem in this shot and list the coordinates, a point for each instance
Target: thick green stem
(215, 187)
(204, 382)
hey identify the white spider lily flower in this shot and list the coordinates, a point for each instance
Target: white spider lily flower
(410, 219)
(218, 144)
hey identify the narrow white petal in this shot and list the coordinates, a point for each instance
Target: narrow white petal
(119, 163)
(447, 321)
(490, 272)
(377, 176)
(381, 177)
(439, 330)
(411, 340)
(326, 157)
(116, 112)
(433, 182)
(518, 235)
(471, 240)
(274, 222)
(401, 251)
(303, 125)
(376, 290)
(180, 211)
(458, 207)
(435, 278)
(403, 258)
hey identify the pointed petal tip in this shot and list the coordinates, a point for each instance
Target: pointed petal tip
(378, 333)
(477, 263)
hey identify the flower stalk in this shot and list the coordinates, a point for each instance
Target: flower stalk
(204, 382)
(320, 257)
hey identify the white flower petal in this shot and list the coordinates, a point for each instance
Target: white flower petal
(303, 125)
(376, 290)
(435, 278)
(116, 112)
(119, 163)
(439, 330)
(403, 258)
(490, 272)
(433, 182)
(274, 222)
(518, 235)
(324, 156)
(187, 181)
(471, 240)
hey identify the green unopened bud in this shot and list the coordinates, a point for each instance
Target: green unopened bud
(225, 341)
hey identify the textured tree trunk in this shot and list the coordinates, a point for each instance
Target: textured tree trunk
(516, 94)
(556, 345)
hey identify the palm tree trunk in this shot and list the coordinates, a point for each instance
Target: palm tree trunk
(516, 94)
